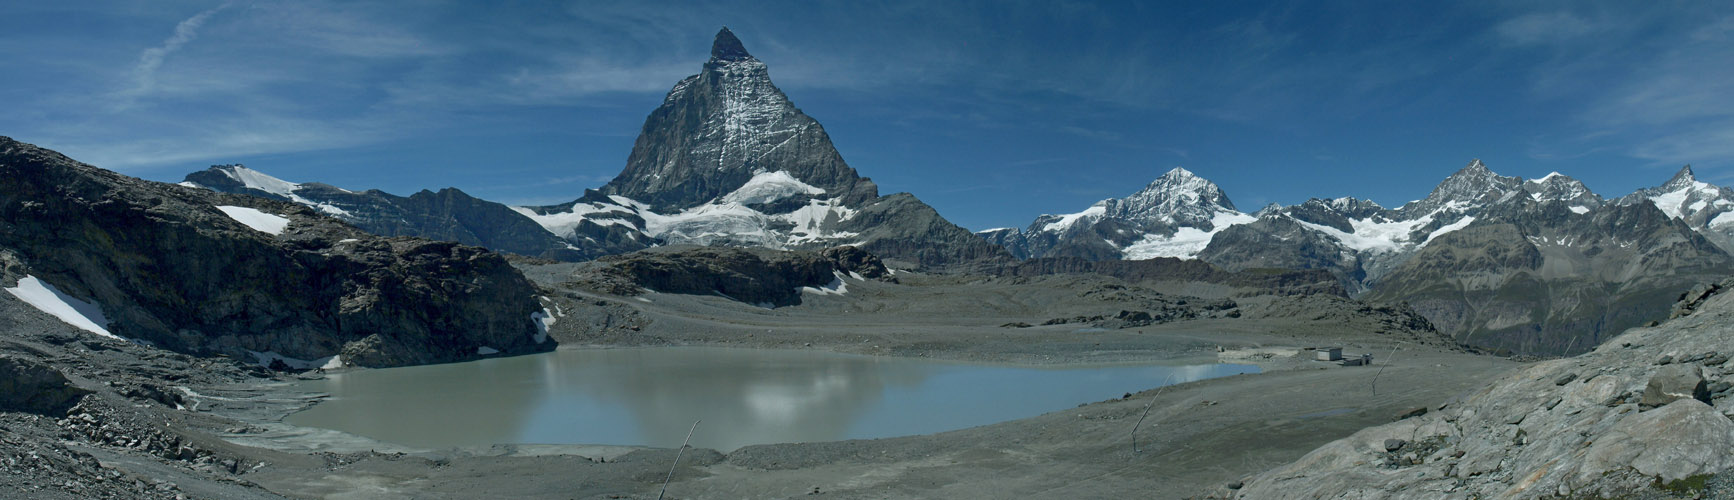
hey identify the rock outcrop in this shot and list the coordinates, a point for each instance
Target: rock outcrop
(210, 273)
(27, 385)
(756, 276)
(1634, 418)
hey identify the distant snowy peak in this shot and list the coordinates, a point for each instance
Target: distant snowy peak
(258, 180)
(1683, 179)
(238, 178)
(1474, 186)
(1178, 197)
(1558, 187)
(1684, 197)
(1175, 215)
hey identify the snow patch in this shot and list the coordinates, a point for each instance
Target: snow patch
(1673, 202)
(727, 219)
(258, 180)
(565, 224)
(1460, 224)
(253, 218)
(1094, 212)
(836, 287)
(1722, 219)
(1580, 210)
(44, 297)
(767, 187)
(1187, 241)
(543, 322)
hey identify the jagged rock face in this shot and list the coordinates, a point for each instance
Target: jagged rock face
(1173, 216)
(719, 128)
(727, 160)
(1572, 428)
(1544, 279)
(449, 215)
(166, 265)
(1473, 186)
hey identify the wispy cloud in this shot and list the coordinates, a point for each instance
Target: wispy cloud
(1544, 27)
(1673, 105)
(145, 72)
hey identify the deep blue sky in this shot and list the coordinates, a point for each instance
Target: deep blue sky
(993, 112)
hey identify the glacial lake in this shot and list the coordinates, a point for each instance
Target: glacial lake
(651, 396)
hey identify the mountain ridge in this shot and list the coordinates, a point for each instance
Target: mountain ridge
(1389, 254)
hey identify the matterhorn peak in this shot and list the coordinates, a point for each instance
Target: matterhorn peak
(728, 48)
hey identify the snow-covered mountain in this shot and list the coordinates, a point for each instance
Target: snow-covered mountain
(727, 159)
(1536, 266)
(1706, 207)
(1174, 216)
(1542, 265)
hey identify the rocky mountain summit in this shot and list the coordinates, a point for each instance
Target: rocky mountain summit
(728, 160)
(267, 281)
(1174, 216)
(1701, 205)
(1646, 415)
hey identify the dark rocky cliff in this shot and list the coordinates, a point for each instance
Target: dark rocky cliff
(168, 267)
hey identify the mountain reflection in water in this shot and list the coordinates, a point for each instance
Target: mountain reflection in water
(651, 396)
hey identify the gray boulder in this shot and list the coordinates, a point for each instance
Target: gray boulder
(1675, 382)
(30, 386)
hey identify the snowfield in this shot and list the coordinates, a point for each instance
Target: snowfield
(253, 218)
(46, 298)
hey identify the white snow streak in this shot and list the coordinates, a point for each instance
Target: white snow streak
(1186, 242)
(543, 322)
(44, 297)
(253, 218)
(1094, 212)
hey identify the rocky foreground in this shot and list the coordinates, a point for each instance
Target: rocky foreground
(1645, 415)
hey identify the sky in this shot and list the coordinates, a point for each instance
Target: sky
(993, 112)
